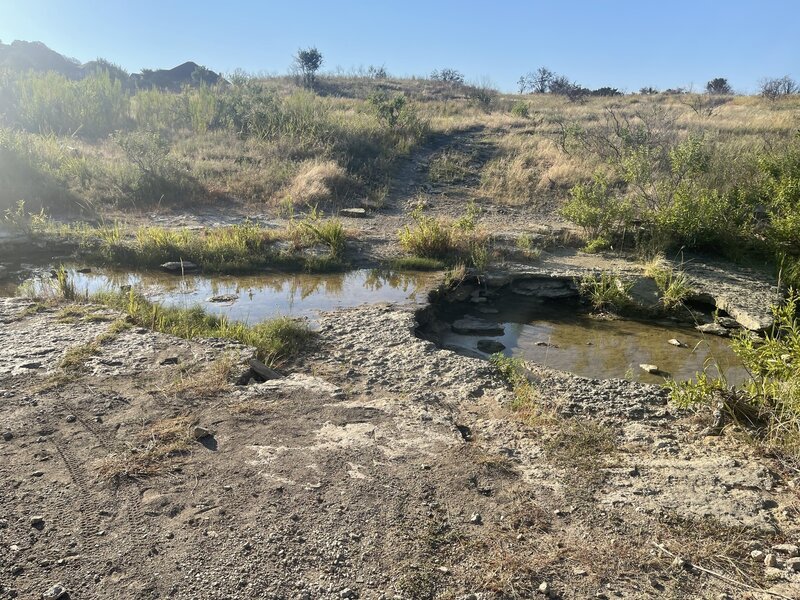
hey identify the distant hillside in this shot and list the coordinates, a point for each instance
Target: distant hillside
(36, 56)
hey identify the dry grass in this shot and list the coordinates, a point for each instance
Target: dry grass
(320, 183)
(151, 450)
(208, 382)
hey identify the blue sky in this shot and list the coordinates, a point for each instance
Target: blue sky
(620, 43)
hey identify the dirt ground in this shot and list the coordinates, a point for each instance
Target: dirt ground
(138, 465)
(381, 467)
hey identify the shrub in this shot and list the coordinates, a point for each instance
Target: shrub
(520, 109)
(448, 75)
(594, 208)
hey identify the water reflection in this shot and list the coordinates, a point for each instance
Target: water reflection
(561, 337)
(258, 297)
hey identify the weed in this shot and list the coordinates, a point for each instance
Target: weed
(429, 238)
(75, 357)
(606, 292)
(674, 285)
(416, 263)
(514, 372)
(580, 444)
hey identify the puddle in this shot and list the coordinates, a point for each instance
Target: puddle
(558, 335)
(255, 298)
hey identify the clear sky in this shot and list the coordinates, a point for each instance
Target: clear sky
(621, 43)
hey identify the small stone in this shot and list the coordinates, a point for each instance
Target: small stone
(444, 570)
(16, 570)
(56, 592)
(348, 593)
(713, 329)
(71, 418)
(544, 588)
(789, 549)
(37, 473)
(8, 436)
(37, 521)
(652, 369)
(476, 519)
(770, 560)
(793, 564)
(757, 555)
(773, 574)
(728, 322)
(200, 432)
(676, 343)
(170, 360)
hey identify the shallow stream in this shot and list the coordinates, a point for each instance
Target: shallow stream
(556, 333)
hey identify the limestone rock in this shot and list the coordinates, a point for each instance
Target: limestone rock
(473, 326)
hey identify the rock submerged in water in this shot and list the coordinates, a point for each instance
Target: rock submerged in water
(713, 329)
(677, 343)
(224, 298)
(652, 369)
(474, 326)
(490, 346)
(544, 288)
(179, 266)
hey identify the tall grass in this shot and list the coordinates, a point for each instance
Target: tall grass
(243, 248)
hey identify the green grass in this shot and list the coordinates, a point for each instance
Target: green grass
(514, 373)
(605, 292)
(275, 341)
(674, 285)
(417, 263)
(244, 248)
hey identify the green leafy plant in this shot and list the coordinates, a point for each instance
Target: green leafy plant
(605, 292)
(595, 209)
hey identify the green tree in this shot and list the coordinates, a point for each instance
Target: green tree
(719, 86)
(307, 62)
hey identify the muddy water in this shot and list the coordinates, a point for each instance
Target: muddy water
(561, 336)
(258, 297)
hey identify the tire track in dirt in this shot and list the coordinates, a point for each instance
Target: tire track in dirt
(128, 499)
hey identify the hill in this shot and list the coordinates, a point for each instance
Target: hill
(36, 56)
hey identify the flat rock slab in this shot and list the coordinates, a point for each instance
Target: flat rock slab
(475, 326)
(353, 213)
(544, 288)
(741, 292)
(179, 266)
